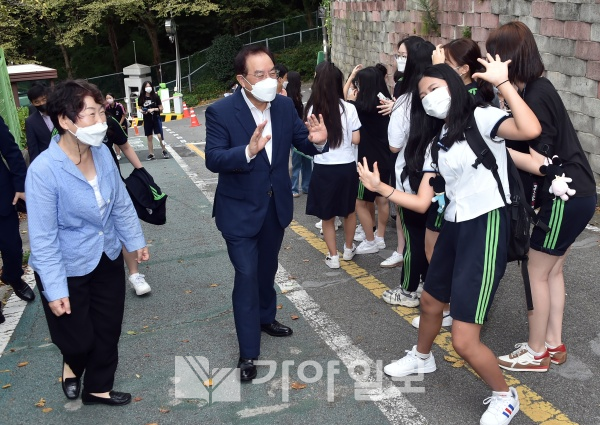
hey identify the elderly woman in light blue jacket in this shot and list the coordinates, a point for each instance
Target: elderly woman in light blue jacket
(80, 215)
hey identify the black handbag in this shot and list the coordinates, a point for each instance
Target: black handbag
(147, 197)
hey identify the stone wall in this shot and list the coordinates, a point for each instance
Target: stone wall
(567, 34)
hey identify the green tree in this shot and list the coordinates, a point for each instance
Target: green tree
(146, 13)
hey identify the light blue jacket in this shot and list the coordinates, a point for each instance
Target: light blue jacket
(67, 233)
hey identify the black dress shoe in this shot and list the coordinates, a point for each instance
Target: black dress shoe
(22, 290)
(2, 319)
(276, 329)
(70, 386)
(116, 399)
(247, 369)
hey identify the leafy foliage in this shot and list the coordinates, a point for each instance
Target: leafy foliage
(23, 113)
(302, 58)
(221, 54)
(429, 18)
(208, 89)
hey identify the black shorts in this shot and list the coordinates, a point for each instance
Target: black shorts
(365, 194)
(152, 125)
(435, 220)
(468, 262)
(566, 220)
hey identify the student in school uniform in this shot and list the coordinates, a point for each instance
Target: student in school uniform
(476, 225)
(334, 181)
(566, 219)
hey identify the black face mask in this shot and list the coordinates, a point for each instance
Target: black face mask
(41, 108)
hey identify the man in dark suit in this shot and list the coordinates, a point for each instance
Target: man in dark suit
(38, 126)
(248, 141)
(12, 188)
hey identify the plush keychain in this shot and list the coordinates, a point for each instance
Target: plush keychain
(560, 184)
(439, 186)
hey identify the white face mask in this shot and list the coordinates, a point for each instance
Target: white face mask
(401, 63)
(437, 103)
(148, 89)
(110, 101)
(92, 135)
(285, 83)
(265, 90)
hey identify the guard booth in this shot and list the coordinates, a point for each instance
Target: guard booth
(135, 75)
(22, 78)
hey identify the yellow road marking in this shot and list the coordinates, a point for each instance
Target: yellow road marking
(195, 149)
(532, 404)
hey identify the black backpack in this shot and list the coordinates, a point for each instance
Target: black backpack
(147, 197)
(520, 214)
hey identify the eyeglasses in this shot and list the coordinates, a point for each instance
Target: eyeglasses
(261, 74)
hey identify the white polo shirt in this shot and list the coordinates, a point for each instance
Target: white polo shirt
(344, 153)
(398, 131)
(473, 191)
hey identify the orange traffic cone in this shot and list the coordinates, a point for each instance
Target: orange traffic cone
(186, 111)
(195, 122)
(135, 127)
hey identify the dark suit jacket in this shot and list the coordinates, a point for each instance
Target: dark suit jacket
(38, 135)
(12, 178)
(242, 194)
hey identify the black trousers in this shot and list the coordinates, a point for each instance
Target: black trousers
(88, 337)
(415, 261)
(11, 248)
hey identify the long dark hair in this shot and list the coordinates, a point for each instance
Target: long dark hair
(294, 91)
(369, 81)
(419, 56)
(423, 128)
(408, 42)
(326, 99)
(465, 51)
(515, 41)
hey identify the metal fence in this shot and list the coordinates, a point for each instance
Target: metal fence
(276, 36)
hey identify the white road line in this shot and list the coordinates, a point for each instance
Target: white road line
(197, 143)
(389, 399)
(13, 310)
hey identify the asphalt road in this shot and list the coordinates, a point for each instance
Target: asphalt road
(339, 323)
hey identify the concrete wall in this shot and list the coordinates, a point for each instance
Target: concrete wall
(567, 34)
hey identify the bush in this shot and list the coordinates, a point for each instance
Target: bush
(302, 58)
(23, 113)
(208, 89)
(221, 54)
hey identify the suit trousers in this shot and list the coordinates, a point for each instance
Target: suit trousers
(88, 337)
(255, 261)
(11, 248)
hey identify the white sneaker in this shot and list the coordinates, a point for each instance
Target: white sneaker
(337, 223)
(138, 283)
(446, 320)
(400, 296)
(367, 247)
(359, 234)
(501, 408)
(118, 157)
(392, 261)
(333, 261)
(420, 289)
(349, 253)
(380, 242)
(410, 364)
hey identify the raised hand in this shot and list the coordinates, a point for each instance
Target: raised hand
(496, 71)
(385, 107)
(258, 141)
(438, 56)
(317, 132)
(370, 179)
